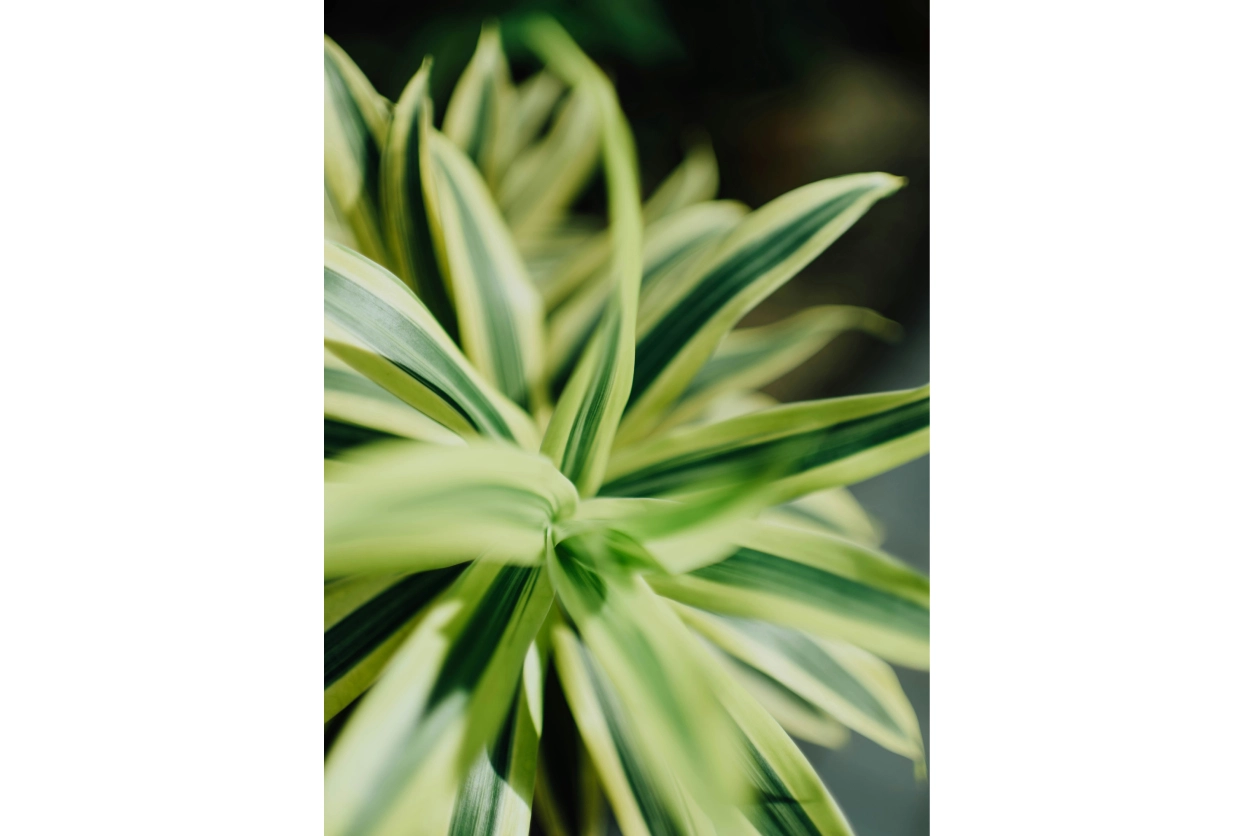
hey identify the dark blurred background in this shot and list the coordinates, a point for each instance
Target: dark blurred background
(789, 91)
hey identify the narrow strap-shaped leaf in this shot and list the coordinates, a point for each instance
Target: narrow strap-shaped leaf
(581, 431)
(407, 506)
(646, 800)
(769, 247)
(752, 357)
(790, 798)
(356, 407)
(834, 510)
(815, 445)
(367, 618)
(569, 799)
(480, 110)
(401, 759)
(407, 193)
(669, 246)
(798, 716)
(495, 799)
(847, 683)
(499, 313)
(543, 180)
(692, 183)
(645, 652)
(355, 122)
(818, 583)
(534, 101)
(376, 325)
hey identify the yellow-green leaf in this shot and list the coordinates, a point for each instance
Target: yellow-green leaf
(355, 125)
(813, 445)
(406, 506)
(768, 247)
(399, 763)
(376, 325)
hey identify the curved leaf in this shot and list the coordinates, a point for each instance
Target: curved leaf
(480, 111)
(376, 325)
(401, 758)
(355, 407)
(367, 618)
(769, 247)
(752, 357)
(499, 313)
(406, 506)
(850, 685)
(408, 199)
(355, 125)
(814, 445)
(581, 431)
(818, 583)
(543, 180)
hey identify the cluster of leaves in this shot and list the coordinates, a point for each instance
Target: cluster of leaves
(572, 556)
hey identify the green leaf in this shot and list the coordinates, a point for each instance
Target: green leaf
(356, 407)
(819, 583)
(833, 511)
(670, 246)
(408, 198)
(647, 800)
(355, 125)
(768, 247)
(367, 618)
(814, 445)
(790, 798)
(400, 761)
(500, 315)
(543, 180)
(534, 101)
(581, 431)
(752, 357)
(376, 325)
(846, 683)
(480, 111)
(646, 654)
(406, 506)
(495, 799)
(693, 182)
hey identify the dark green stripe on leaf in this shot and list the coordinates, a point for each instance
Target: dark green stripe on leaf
(648, 798)
(786, 456)
(427, 278)
(354, 637)
(506, 351)
(368, 152)
(804, 652)
(665, 340)
(772, 575)
(339, 437)
(400, 341)
(777, 812)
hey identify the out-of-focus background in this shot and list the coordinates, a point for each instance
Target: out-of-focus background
(788, 91)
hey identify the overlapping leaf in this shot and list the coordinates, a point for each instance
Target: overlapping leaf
(584, 423)
(376, 325)
(840, 680)
(819, 583)
(816, 445)
(499, 313)
(355, 126)
(410, 507)
(752, 357)
(399, 764)
(770, 246)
